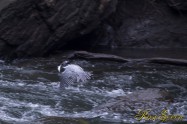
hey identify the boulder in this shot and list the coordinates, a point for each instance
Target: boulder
(146, 24)
(36, 28)
(31, 28)
(149, 99)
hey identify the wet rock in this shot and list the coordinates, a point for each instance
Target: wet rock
(61, 120)
(149, 99)
(110, 57)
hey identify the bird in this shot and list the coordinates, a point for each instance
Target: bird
(71, 74)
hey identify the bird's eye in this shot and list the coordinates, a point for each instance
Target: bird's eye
(62, 69)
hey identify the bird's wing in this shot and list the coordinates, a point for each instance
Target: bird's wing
(76, 74)
(67, 78)
(83, 76)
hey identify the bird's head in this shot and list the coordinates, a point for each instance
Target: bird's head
(62, 65)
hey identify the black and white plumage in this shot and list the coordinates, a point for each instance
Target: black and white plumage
(71, 73)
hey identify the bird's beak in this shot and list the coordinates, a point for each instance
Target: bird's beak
(59, 67)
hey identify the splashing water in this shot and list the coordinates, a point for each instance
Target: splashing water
(29, 89)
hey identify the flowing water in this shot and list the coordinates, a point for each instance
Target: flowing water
(29, 89)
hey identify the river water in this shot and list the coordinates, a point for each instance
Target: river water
(29, 88)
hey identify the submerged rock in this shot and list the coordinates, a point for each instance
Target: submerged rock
(61, 120)
(149, 99)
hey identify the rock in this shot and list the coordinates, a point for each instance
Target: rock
(150, 99)
(178, 5)
(4, 3)
(96, 56)
(37, 28)
(146, 24)
(60, 120)
(110, 57)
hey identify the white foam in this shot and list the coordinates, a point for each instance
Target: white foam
(2, 61)
(115, 93)
(28, 114)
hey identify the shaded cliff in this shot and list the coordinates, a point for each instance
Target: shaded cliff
(37, 28)
(147, 24)
(4, 3)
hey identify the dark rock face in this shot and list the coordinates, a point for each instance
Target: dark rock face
(148, 24)
(37, 28)
(179, 5)
(4, 3)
